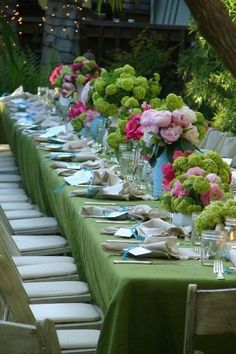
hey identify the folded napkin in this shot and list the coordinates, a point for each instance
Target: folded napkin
(119, 191)
(159, 227)
(85, 155)
(163, 248)
(51, 121)
(69, 168)
(108, 212)
(138, 212)
(105, 177)
(75, 144)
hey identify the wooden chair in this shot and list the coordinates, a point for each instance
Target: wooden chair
(64, 315)
(208, 312)
(42, 338)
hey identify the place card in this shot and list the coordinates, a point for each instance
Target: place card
(138, 251)
(124, 232)
(80, 177)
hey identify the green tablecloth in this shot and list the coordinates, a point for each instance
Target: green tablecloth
(3, 139)
(144, 306)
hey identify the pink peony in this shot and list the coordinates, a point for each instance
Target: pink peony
(171, 134)
(191, 134)
(151, 117)
(194, 171)
(133, 129)
(213, 178)
(179, 119)
(214, 193)
(187, 113)
(178, 190)
(76, 110)
(166, 185)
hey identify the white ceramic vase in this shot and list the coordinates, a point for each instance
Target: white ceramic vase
(182, 220)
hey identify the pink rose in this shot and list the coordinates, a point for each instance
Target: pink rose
(133, 129)
(179, 119)
(194, 171)
(168, 171)
(76, 110)
(213, 178)
(214, 193)
(171, 134)
(178, 153)
(191, 134)
(168, 175)
(178, 190)
(152, 117)
(55, 73)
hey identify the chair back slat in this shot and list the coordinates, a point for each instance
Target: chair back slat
(208, 312)
(8, 240)
(13, 293)
(17, 338)
(5, 221)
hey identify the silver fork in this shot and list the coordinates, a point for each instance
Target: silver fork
(218, 269)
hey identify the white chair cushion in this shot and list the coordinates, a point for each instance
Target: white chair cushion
(10, 178)
(7, 162)
(34, 271)
(9, 185)
(28, 260)
(4, 154)
(13, 198)
(9, 191)
(17, 206)
(78, 338)
(23, 214)
(56, 288)
(32, 224)
(71, 312)
(9, 169)
(28, 243)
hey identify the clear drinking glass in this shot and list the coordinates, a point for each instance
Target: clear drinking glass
(212, 246)
(195, 237)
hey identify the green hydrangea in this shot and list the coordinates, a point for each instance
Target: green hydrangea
(141, 81)
(196, 160)
(129, 69)
(111, 110)
(79, 59)
(115, 139)
(131, 102)
(198, 183)
(210, 166)
(166, 201)
(154, 89)
(124, 99)
(155, 102)
(215, 156)
(76, 124)
(183, 205)
(174, 102)
(180, 165)
(101, 105)
(139, 93)
(111, 90)
(99, 86)
(126, 84)
(80, 79)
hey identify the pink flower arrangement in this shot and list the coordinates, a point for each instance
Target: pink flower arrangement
(80, 115)
(69, 77)
(189, 187)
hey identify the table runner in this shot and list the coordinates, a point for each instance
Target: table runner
(144, 305)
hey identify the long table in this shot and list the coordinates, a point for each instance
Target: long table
(144, 305)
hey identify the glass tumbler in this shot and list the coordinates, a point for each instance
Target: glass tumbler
(212, 246)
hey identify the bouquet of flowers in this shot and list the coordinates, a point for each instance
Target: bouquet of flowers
(80, 115)
(69, 77)
(121, 89)
(173, 126)
(193, 181)
(215, 214)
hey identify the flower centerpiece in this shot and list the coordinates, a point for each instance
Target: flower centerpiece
(71, 78)
(80, 115)
(193, 181)
(121, 93)
(163, 130)
(215, 214)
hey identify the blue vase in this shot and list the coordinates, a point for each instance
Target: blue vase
(96, 125)
(157, 174)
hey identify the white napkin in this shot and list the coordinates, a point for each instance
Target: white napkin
(159, 227)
